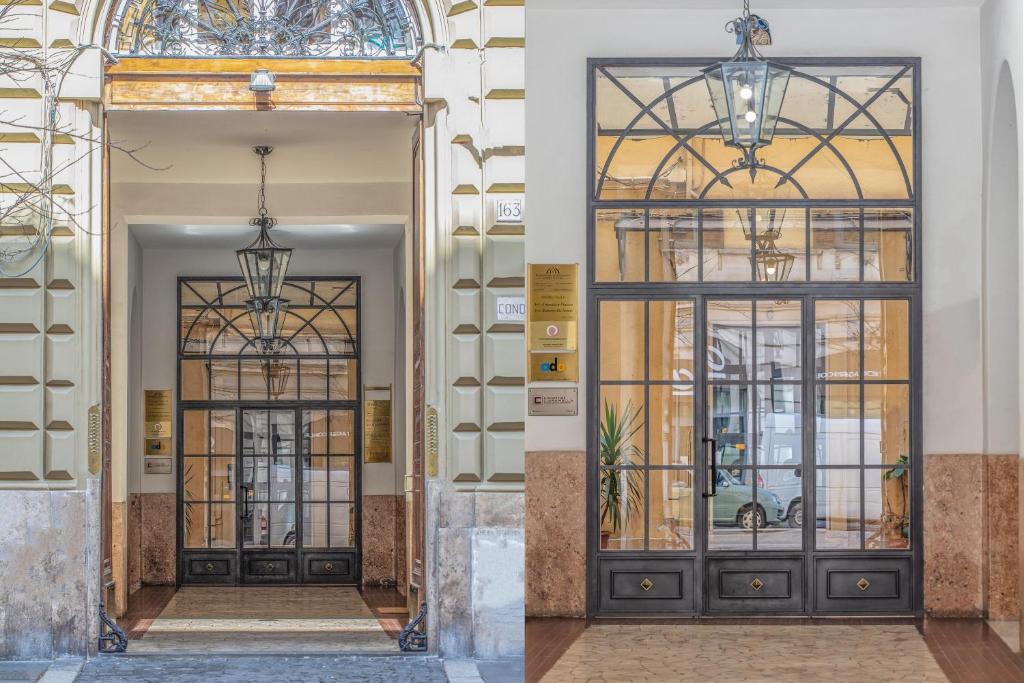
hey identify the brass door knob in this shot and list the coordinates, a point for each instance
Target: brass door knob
(209, 566)
(647, 584)
(329, 566)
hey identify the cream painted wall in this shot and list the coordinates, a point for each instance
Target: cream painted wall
(160, 270)
(947, 39)
(1002, 69)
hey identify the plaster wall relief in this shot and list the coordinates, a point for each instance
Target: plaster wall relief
(475, 505)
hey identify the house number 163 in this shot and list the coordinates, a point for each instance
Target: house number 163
(509, 210)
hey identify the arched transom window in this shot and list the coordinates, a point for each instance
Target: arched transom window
(265, 28)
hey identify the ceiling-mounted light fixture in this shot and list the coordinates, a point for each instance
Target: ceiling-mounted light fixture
(262, 80)
(264, 264)
(747, 91)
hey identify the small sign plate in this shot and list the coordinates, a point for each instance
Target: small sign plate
(158, 446)
(556, 402)
(558, 366)
(511, 309)
(508, 211)
(158, 465)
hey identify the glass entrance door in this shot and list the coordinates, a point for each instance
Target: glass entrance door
(269, 492)
(754, 451)
(773, 477)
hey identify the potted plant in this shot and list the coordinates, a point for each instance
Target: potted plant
(620, 492)
(895, 520)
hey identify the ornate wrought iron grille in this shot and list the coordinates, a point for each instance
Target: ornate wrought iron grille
(265, 28)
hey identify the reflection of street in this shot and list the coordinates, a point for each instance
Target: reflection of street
(735, 538)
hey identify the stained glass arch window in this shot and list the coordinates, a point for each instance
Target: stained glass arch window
(265, 28)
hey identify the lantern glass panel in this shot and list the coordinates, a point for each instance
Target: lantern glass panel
(775, 93)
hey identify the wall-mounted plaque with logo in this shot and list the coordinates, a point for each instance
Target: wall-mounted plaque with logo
(157, 429)
(552, 322)
(552, 302)
(377, 426)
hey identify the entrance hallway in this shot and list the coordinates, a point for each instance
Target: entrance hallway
(264, 620)
(733, 650)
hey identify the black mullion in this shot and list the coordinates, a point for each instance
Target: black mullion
(700, 244)
(752, 402)
(647, 245)
(807, 244)
(860, 236)
(209, 472)
(862, 416)
(298, 479)
(647, 422)
(752, 220)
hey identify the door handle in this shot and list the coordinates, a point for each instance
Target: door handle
(714, 466)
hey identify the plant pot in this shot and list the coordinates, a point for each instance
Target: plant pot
(604, 539)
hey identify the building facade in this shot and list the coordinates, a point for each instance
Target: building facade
(66, 410)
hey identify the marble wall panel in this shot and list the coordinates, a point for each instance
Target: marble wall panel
(1002, 536)
(556, 539)
(159, 538)
(383, 533)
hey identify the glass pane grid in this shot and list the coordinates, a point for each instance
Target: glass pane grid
(765, 245)
(863, 502)
(646, 472)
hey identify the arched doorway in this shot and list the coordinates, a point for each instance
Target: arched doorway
(199, 62)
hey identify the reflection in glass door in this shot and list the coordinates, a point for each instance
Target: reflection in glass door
(754, 424)
(267, 463)
(795, 434)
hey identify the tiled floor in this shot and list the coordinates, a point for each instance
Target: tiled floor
(259, 619)
(965, 651)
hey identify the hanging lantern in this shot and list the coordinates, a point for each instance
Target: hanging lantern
(267, 316)
(277, 374)
(747, 91)
(264, 264)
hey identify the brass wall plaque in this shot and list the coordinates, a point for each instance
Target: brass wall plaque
(377, 430)
(158, 446)
(554, 366)
(553, 306)
(556, 401)
(158, 414)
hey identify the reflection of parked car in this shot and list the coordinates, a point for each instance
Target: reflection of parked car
(733, 503)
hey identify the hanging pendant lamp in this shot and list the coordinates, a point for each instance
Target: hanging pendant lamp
(264, 264)
(747, 91)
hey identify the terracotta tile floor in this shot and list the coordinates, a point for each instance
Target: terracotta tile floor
(759, 650)
(263, 619)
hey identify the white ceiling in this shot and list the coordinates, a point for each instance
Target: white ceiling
(378, 236)
(757, 6)
(216, 147)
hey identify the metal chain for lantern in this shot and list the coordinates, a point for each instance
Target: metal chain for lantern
(747, 91)
(264, 265)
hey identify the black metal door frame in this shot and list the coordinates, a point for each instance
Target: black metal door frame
(304, 565)
(691, 568)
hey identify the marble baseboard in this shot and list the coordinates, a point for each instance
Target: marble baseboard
(134, 531)
(158, 525)
(556, 533)
(971, 535)
(1002, 537)
(953, 535)
(383, 534)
